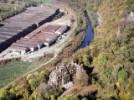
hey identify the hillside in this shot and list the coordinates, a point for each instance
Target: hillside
(112, 50)
(105, 67)
(11, 7)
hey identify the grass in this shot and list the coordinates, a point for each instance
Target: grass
(15, 69)
(12, 70)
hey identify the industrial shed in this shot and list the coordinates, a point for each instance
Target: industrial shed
(62, 29)
(20, 25)
(43, 36)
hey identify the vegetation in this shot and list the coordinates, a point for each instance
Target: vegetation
(12, 70)
(111, 52)
(110, 55)
(24, 87)
(11, 7)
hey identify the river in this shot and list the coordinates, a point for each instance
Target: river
(89, 35)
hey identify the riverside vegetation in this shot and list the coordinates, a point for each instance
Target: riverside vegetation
(9, 8)
(110, 55)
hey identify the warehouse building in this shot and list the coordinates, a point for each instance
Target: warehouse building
(20, 25)
(62, 29)
(43, 36)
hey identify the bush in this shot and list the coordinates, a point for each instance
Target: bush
(82, 77)
(68, 98)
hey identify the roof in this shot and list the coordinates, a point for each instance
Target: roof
(44, 34)
(20, 22)
(62, 29)
(18, 48)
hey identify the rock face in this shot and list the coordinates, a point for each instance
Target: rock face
(130, 17)
(64, 75)
(100, 19)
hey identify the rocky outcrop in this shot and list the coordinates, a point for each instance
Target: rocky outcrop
(66, 78)
(130, 17)
(64, 75)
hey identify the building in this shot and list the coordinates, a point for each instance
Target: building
(43, 36)
(20, 25)
(62, 29)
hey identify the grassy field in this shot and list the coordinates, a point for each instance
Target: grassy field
(12, 70)
(15, 69)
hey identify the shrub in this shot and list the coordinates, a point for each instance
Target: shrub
(68, 98)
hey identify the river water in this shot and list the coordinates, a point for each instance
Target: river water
(89, 35)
